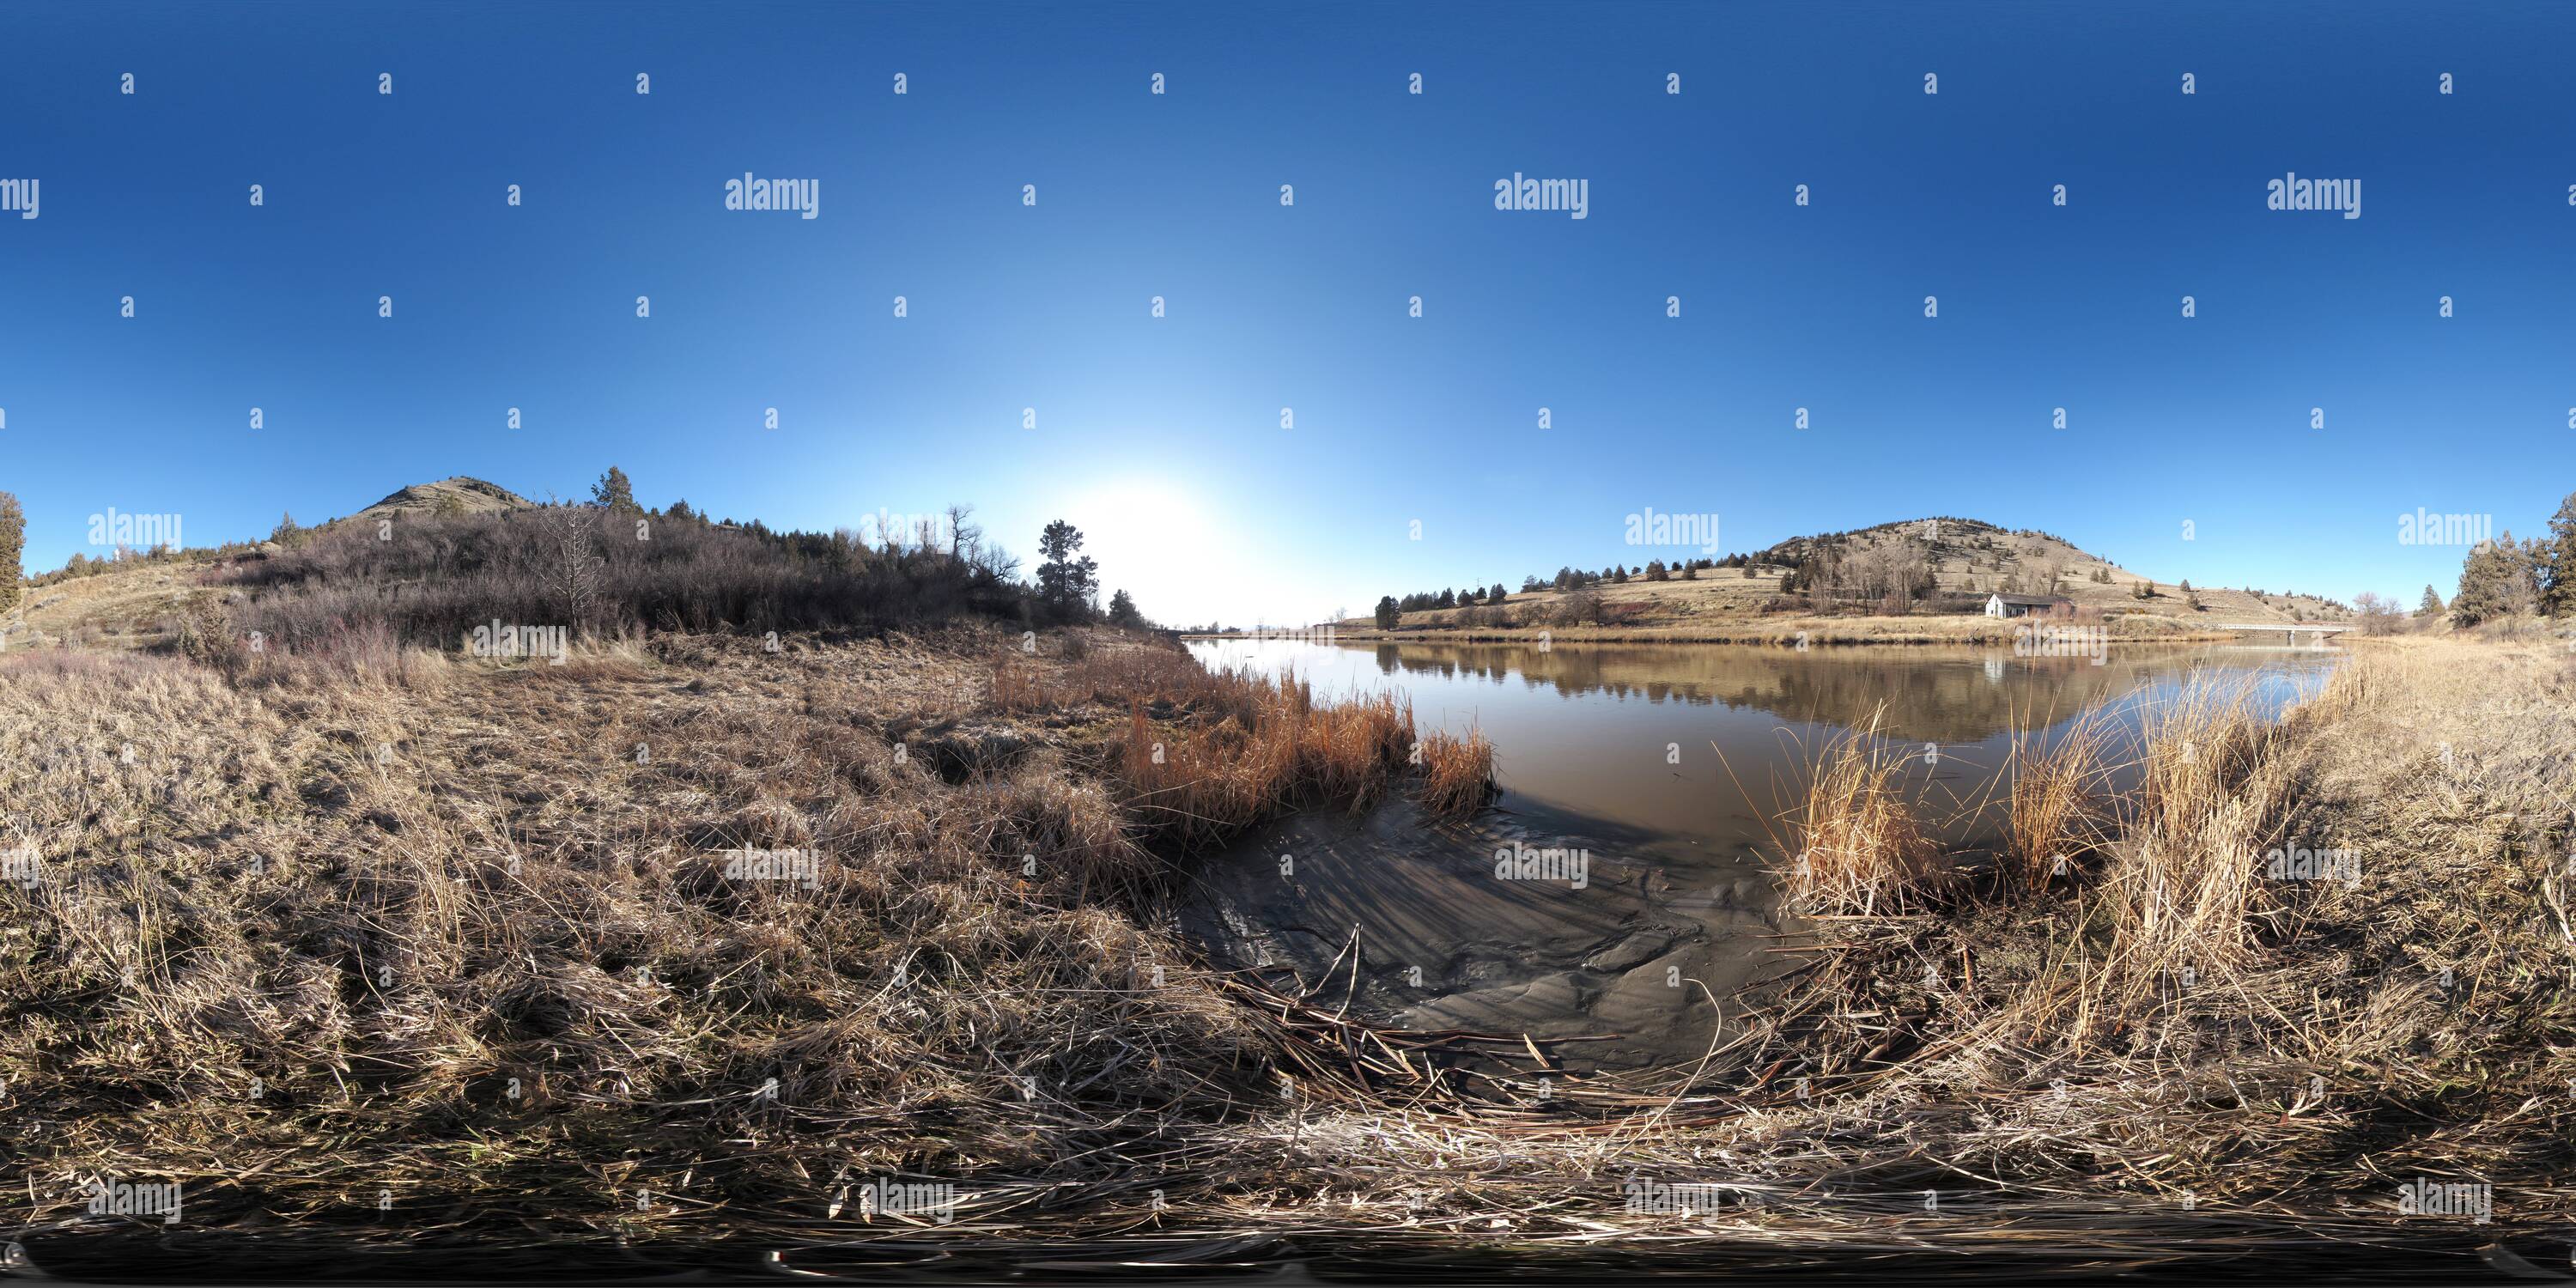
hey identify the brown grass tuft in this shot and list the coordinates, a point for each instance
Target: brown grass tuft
(1457, 773)
(1861, 846)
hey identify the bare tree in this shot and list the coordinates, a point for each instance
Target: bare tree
(572, 531)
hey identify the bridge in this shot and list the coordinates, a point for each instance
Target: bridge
(2290, 630)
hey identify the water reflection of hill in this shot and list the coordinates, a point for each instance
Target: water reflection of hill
(1945, 696)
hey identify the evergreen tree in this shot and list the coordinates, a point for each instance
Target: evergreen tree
(1066, 583)
(2558, 561)
(1387, 613)
(2432, 605)
(1122, 609)
(2491, 582)
(613, 492)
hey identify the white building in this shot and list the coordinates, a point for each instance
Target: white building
(2025, 605)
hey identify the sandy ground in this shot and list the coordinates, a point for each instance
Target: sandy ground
(1623, 970)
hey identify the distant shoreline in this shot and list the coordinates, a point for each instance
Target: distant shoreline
(1818, 632)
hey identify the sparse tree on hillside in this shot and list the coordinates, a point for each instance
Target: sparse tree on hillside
(287, 533)
(2432, 605)
(613, 492)
(1066, 584)
(2558, 561)
(1581, 607)
(13, 541)
(2144, 590)
(449, 506)
(1496, 595)
(1387, 613)
(1122, 610)
(680, 509)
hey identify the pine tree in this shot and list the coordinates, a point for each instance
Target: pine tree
(1387, 613)
(1122, 609)
(2432, 605)
(1066, 584)
(2558, 561)
(2488, 578)
(615, 493)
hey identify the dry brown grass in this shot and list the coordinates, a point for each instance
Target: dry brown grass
(1861, 848)
(299, 946)
(514, 893)
(1457, 773)
(2057, 807)
(1256, 748)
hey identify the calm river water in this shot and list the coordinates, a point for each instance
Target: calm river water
(1642, 811)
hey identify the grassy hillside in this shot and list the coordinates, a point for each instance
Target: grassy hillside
(451, 496)
(1966, 559)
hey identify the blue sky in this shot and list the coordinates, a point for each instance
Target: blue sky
(1161, 436)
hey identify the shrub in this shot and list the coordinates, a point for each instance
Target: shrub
(577, 567)
(1457, 773)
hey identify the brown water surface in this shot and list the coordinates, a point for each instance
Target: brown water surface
(1670, 771)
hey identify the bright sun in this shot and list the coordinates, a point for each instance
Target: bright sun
(1155, 542)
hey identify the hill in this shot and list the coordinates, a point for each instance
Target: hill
(1958, 562)
(458, 495)
(463, 553)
